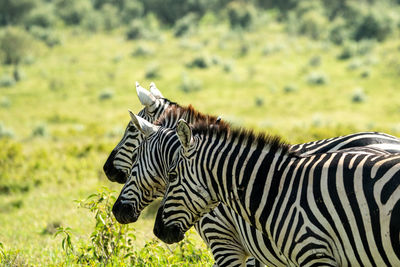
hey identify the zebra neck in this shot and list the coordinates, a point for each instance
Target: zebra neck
(166, 149)
(245, 177)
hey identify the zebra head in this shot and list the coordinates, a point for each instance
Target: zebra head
(147, 179)
(187, 198)
(120, 160)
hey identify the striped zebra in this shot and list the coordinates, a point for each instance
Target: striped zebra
(229, 236)
(120, 160)
(330, 209)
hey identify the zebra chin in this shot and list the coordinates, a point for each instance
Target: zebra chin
(124, 213)
(168, 234)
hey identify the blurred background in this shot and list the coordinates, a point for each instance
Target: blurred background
(305, 70)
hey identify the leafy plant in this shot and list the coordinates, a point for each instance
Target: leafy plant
(112, 244)
(109, 239)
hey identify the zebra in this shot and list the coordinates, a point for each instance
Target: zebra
(244, 233)
(119, 163)
(330, 209)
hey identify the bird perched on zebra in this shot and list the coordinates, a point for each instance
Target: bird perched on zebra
(331, 209)
(222, 227)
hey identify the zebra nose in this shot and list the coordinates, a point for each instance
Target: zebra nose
(124, 212)
(168, 234)
(113, 174)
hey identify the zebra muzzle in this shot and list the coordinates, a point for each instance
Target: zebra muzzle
(124, 212)
(167, 233)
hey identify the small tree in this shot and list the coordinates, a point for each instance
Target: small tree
(14, 45)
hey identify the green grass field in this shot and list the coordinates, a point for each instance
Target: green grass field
(70, 110)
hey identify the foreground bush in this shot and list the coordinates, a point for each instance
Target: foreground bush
(112, 244)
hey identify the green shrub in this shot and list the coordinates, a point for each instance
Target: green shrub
(72, 12)
(28, 60)
(40, 130)
(46, 35)
(15, 43)
(152, 71)
(136, 30)
(308, 19)
(93, 21)
(5, 102)
(7, 80)
(106, 94)
(189, 84)
(355, 64)
(259, 101)
(315, 61)
(314, 25)
(109, 240)
(13, 12)
(18, 74)
(170, 11)
(142, 50)
(271, 49)
(185, 25)
(365, 73)
(241, 14)
(110, 17)
(5, 132)
(201, 62)
(358, 96)
(339, 31)
(228, 65)
(374, 25)
(290, 88)
(112, 244)
(42, 16)
(349, 50)
(132, 10)
(317, 78)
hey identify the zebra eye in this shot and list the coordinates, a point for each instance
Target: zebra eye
(172, 176)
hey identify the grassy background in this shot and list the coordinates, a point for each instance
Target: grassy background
(70, 110)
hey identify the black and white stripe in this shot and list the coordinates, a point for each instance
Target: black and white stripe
(243, 242)
(337, 208)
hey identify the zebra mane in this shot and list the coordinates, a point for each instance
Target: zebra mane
(190, 114)
(262, 139)
(208, 125)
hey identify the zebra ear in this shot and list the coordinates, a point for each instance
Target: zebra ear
(184, 133)
(154, 90)
(143, 125)
(145, 97)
